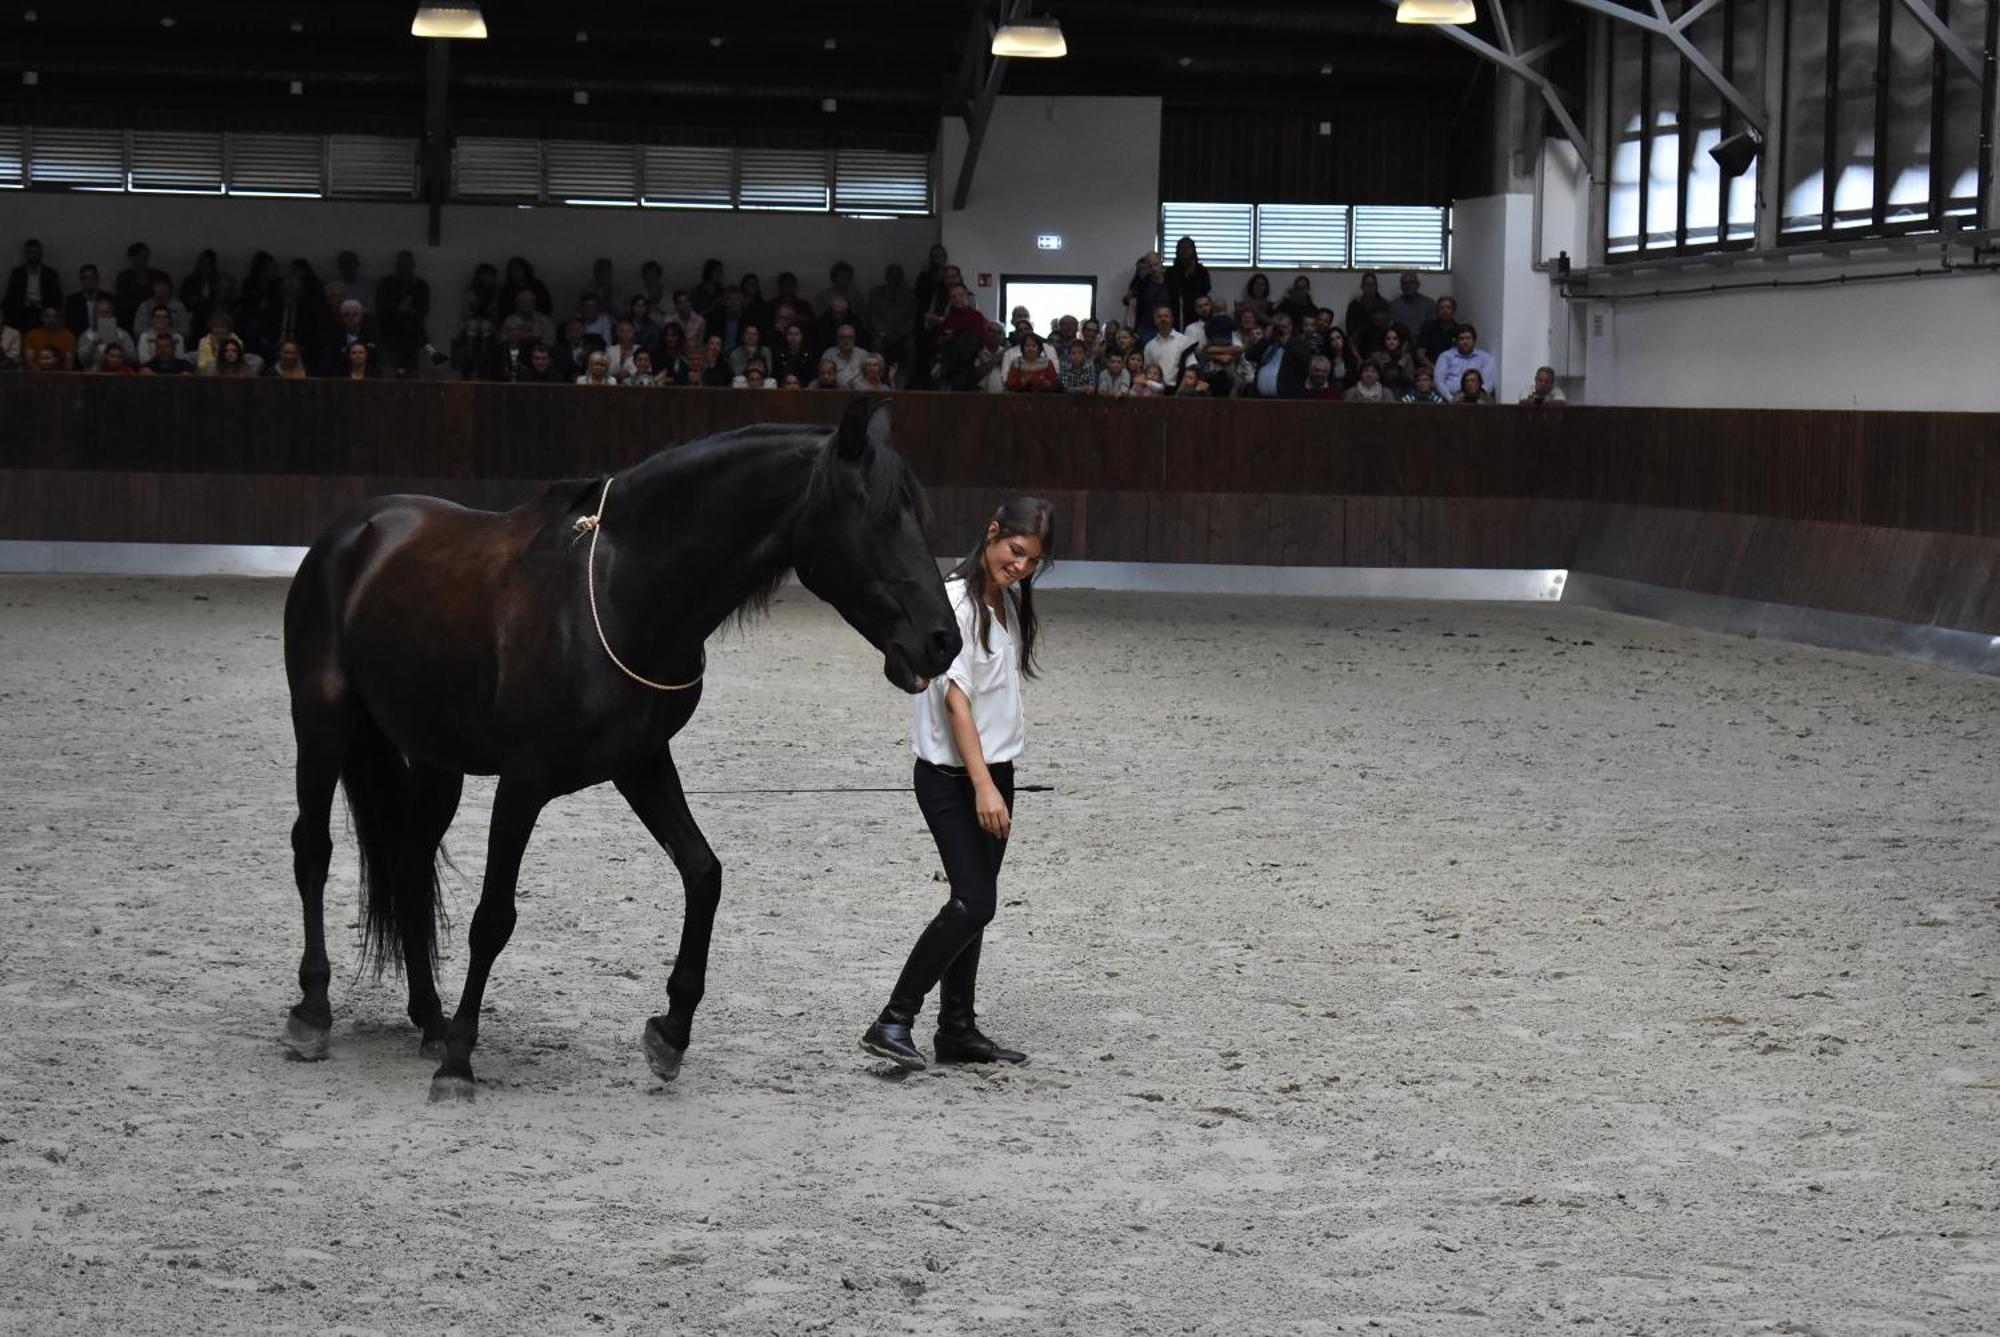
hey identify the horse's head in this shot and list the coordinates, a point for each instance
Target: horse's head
(860, 546)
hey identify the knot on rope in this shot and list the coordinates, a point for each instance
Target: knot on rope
(585, 523)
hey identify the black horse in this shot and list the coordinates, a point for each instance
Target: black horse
(557, 646)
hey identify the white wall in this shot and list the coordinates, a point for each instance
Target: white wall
(1085, 168)
(561, 242)
(1333, 288)
(1497, 287)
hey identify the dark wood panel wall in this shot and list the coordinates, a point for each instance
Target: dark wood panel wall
(1896, 514)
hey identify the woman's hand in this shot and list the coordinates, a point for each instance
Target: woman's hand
(991, 809)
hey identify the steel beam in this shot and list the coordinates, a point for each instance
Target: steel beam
(1658, 24)
(1946, 38)
(982, 110)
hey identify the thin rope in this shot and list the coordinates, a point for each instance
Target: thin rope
(594, 525)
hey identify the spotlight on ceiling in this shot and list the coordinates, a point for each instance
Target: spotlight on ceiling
(460, 21)
(1735, 154)
(1031, 39)
(1454, 12)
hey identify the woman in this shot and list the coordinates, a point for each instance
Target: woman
(360, 366)
(229, 359)
(597, 371)
(1033, 372)
(1299, 303)
(290, 366)
(967, 732)
(1393, 361)
(624, 349)
(1256, 297)
(1144, 381)
(1472, 389)
(1346, 367)
(1147, 289)
(671, 367)
(204, 288)
(521, 274)
(1186, 282)
(1190, 383)
(707, 294)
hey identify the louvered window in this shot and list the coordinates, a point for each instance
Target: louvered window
(66, 156)
(176, 162)
(1399, 237)
(685, 177)
(371, 166)
(13, 162)
(1302, 236)
(291, 165)
(867, 181)
(581, 172)
(790, 179)
(1222, 232)
(498, 168)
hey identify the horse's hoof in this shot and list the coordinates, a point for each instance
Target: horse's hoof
(662, 1055)
(451, 1089)
(432, 1047)
(308, 1043)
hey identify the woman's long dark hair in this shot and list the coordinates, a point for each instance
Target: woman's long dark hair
(1029, 517)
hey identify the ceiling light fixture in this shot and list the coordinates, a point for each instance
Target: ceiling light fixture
(450, 21)
(1030, 39)
(1456, 13)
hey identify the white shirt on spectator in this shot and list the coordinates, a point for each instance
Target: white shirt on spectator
(849, 364)
(90, 346)
(177, 315)
(1452, 366)
(1164, 350)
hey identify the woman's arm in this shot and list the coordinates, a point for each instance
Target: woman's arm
(987, 804)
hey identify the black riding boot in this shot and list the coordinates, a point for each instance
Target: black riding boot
(937, 946)
(958, 1037)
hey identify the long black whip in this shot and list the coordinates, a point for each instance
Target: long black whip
(856, 789)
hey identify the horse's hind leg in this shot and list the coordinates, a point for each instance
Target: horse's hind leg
(434, 798)
(323, 732)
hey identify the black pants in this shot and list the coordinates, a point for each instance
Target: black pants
(971, 857)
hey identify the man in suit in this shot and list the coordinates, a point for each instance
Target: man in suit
(31, 287)
(80, 307)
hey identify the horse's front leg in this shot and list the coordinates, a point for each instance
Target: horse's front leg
(655, 794)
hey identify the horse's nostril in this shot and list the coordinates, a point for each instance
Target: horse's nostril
(941, 643)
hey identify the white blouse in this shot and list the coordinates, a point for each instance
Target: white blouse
(991, 681)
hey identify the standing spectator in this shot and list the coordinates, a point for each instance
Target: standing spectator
(1346, 366)
(751, 350)
(671, 366)
(508, 359)
(135, 282)
(1319, 380)
(1465, 355)
(103, 335)
(891, 312)
(1423, 390)
(727, 319)
(10, 347)
(708, 293)
(840, 283)
(1186, 281)
(1079, 374)
(402, 311)
(50, 334)
(31, 286)
(1439, 333)
(1147, 290)
(573, 350)
(1410, 308)
(478, 320)
(596, 370)
(80, 307)
(254, 293)
(1257, 297)
(793, 359)
(932, 314)
(1545, 390)
(591, 312)
(1300, 304)
(652, 286)
(645, 329)
(1166, 346)
(756, 310)
(1033, 372)
(347, 268)
(599, 285)
(205, 288)
(1472, 388)
(959, 337)
(932, 290)
(355, 327)
(289, 319)
(1361, 310)
(519, 274)
(1369, 389)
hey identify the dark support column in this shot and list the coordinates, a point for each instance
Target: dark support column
(437, 139)
(982, 110)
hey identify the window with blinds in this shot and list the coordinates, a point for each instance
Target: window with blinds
(292, 166)
(1390, 236)
(681, 176)
(13, 158)
(75, 157)
(1302, 236)
(870, 181)
(175, 162)
(1224, 234)
(509, 169)
(788, 179)
(371, 167)
(582, 172)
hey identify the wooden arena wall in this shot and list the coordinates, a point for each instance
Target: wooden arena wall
(1890, 514)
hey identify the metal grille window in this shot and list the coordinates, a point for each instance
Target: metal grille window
(1224, 234)
(371, 165)
(284, 165)
(497, 169)
(1302, 236)
(1390, 236)
(869, 181)
(789, 179)
(78, 158)
(581, 172)
(685, 177)
(175, 162)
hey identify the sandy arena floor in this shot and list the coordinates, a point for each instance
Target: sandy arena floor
(1388, 967)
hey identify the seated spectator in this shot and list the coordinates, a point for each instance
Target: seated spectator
(716, 371)
(1145, 380)
(1472, 388)
(1299, 302)
(840, 284)
(709, 291)
(645, 329)
(160, 328)
(112, 361)
(1034, 372)
(1410, 308)
(845, 354)
(1438, 333)
(162, 296)
(220, 327)
(166, 359)
(1319, 379)
(693, 328)
(697, 367)
(1423, 390)
(756, 376)
(1545, 390)
(52, 334)
(1374, 336)
(790, 382)
(520, 275)
(891, 312)
(229, 361)
(1166, 346)
(532, 322)
(787, 295)
(640, 368)
(1362, 307)
(80, 307)
(960, 336)
(591, 312)
(874, 377)
(572, 351)
(360, 361)
(136, 284)
(403, 311)
(825, 331)
(828, 377)
(1394, 366)
(750, 350)
(1280, 361)
(508, 360)
(990, 369)
(1078, 373)
(793, 359)
(1369, 388)
(30, 287)
(354, 328)
(289, 365)
(596, 369)
(670, 364)
(541, 368)
(1346, 365)
(104, 334)
(1091, 335)
(289, 317)
(1464, 355)
(726, 319)
(623, 351)
(45, 358)
(1190, 384)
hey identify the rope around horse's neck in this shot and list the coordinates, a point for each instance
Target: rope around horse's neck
(595, 524)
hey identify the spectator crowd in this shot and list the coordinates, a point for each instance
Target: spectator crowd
(1177, 336)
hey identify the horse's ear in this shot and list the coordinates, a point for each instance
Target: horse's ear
(853, 439)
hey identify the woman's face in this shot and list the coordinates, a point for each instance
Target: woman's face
(1031, 349)
(231, 353)
(1132, 364)
(357, 356)
(1259, 286)
(1392, 339)
(1009, 558)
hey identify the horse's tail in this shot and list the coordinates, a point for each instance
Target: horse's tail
(378, 785)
